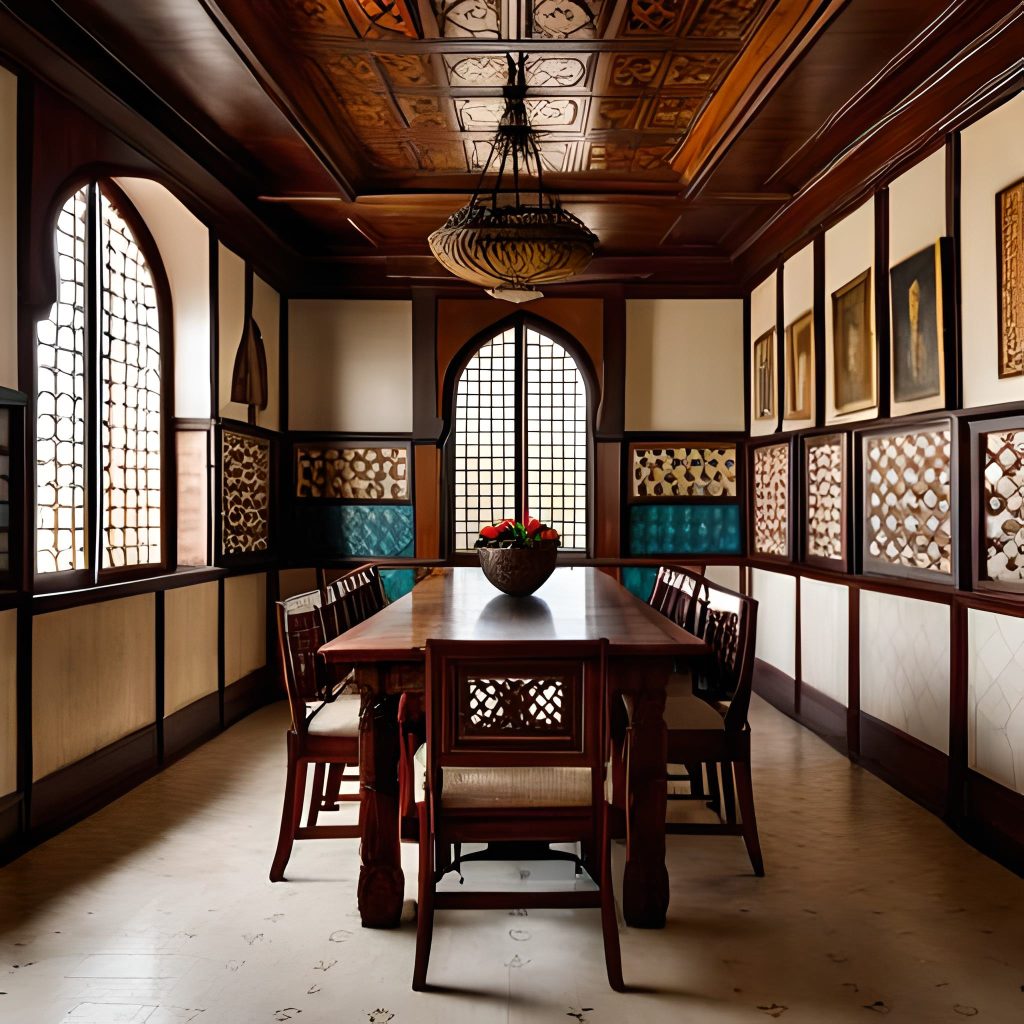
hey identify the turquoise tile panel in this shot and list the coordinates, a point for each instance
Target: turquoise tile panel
(638, 580)
(351, 531)
(664, 529)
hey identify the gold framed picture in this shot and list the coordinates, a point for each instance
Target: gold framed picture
(1010, 278)
(763, 376)
(853, 347)
(799, 367)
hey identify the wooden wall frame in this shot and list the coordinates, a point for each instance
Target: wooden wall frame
(808, 443)
(753, 448)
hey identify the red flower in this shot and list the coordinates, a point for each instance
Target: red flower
(533, 526)
(490, 532)
(549, 534)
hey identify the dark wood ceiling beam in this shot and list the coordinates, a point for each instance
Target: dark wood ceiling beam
(322, 44)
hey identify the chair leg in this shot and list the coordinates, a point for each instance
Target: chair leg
(316, 796)
(609, 924)
(332, 793)
(696, 773)
(425, 906)
(728, 793)
(714, 792)
(291, 813)
(745, 792)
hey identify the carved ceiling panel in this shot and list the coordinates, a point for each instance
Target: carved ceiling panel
(565, 19)
(725, 19)
(491, 69)
(468, 19)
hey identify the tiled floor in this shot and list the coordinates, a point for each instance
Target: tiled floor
(158, 910)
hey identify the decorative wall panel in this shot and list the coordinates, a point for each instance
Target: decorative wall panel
(321, 530)
(351, 474)
(245, 493)
(995, 697)
(904, 665)
(564, 19)
(825, 638)
(670, 529)
(683, 472)
(726, 19)
(192, 469)
(468, 19)
(1003, 505)
(825, 496)
(1010, 225)
(771, 500)
(775, 593)
(907, 501)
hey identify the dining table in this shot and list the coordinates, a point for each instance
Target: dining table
(386, 657)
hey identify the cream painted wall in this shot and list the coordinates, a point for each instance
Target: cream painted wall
(825, 638)
(724, 575)
(797, 299)
(190, 645)
(184, 244)
(762, 318)
(684, 364)
(8, 702)
(8, 229)
(231, 314)
(350, 365)
(245, 625)
(266, 311)
(849, 251)
(917, 219)
(93, 679)
(775, 594)
(992, 157)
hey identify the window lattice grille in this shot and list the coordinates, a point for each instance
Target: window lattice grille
(60, 401)
(485, 439)
(130, 397)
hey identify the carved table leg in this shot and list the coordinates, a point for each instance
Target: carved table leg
(381, 881)
(645, 881)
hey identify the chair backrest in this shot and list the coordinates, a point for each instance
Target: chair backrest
(673, 594)
(358, 595)
(727, 622)
(300, 634)
(495, 704)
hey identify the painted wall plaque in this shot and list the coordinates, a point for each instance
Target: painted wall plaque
(764, 376)
(1010, 273)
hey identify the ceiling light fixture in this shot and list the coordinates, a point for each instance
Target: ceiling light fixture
(497, 240)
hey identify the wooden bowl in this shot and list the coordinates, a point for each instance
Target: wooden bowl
(517, 571)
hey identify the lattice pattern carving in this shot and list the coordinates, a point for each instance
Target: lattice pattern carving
(825, 497)
(352, 474)
(907, 499)
(1003, 483)
(492, 70)
(771, 500)
(725, 19)
(657, 17)
(695, 69)
(1011, 281)
(245, 473)
(516, 705)
(684, 472)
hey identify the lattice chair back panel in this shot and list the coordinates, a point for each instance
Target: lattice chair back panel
(673, 595)
(300, 634)
(726, 622)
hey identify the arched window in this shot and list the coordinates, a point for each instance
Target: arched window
(521, 438)
(99, 376)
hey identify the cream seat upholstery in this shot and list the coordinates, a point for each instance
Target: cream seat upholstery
(507, 787)
(339, 718)
(684, 710)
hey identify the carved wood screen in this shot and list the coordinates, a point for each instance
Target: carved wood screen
(908, 501)
(770, 488)
(825, 500)
(682, 471)
(332, 470)
(245, 474)
(998, 472)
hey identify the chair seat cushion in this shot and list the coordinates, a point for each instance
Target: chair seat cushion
(684, 710)
(336, 719)
(507, 787)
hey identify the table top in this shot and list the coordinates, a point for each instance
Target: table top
(576, 603)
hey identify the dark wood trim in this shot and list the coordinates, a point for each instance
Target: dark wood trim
(917, 770)
(780, 347)
(611, 412)
(994, 820)
(214, 267)
(191, 726)
(853, 676)
(23, 685)
(958, 713)
(220, 651)
(159, 668)
(775, 687)
(247, 694)
(283, 367)
(818, 306)
(955, 326)
(797, 652)
(426, 424)
(77, 790)
(10, 823)
(748, 349)
(880, 287)
(825, 716)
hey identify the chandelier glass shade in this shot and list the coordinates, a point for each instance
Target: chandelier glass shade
(502, 240)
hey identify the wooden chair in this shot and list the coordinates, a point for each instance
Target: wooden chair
(515, 750)
(673, 593)
(706, 714)
(324, 730)
(358, 595)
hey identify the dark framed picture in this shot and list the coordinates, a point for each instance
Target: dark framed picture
(763, 376)
(1010, 278)
(825, 502)
(799, 368)
(853, 347)
(919, 309)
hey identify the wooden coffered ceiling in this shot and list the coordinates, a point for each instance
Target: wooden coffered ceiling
(679, 130)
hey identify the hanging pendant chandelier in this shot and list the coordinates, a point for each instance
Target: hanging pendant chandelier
(501, 242)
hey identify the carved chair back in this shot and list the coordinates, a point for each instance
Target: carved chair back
(494, 704)
(358, 595)
(727, 622)
(300, 634)
(673, 594)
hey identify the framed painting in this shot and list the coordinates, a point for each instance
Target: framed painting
(763, 376)
(918, 347)
(799, 367)
(853, 347)
(1010, 278)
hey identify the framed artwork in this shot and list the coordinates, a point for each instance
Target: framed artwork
(327, 470)
(704, 471)
(908, 507)
(1010, 278)
(245, 464)
(853, 347)
(763, 376)
(918, 347)
(770, 486)
(825, 501)
(799, 367)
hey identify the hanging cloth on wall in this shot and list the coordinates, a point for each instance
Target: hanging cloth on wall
(249, 375)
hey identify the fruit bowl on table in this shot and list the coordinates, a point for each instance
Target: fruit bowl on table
(517, 558)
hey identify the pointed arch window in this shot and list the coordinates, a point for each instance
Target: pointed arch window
(100, 373)
(521, 436)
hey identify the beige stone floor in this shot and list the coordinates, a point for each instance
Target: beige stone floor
(158, 910)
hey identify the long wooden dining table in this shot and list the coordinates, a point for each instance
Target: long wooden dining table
(387, 651)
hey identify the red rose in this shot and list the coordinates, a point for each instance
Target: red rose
(549, 534)
(490, 532)
(533, 526)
